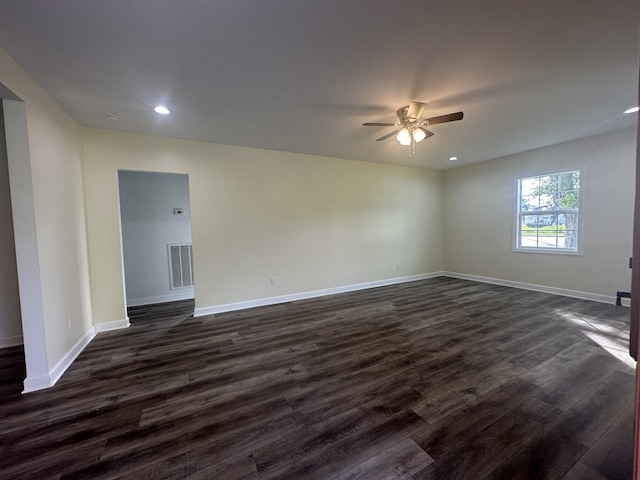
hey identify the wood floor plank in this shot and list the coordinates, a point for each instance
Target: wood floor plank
(400, 461)
(582, 472)
(566, 389)
(332, 453)
(480, 455)
(610, 455)
(454, 430)
(438, 378)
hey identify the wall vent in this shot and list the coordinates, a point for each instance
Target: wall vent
(181, 265)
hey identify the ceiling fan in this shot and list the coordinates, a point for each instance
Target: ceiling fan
(411, 126)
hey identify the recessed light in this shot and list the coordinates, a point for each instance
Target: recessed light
(453, 159)
(632, 110)
(161, 110)
(112, 117)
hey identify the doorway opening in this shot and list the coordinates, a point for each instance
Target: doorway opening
(155, 223)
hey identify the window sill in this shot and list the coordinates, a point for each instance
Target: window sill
(552, 251)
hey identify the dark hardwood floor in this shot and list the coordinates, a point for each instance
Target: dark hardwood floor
(436, 379)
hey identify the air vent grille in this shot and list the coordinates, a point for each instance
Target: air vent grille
(181, 265)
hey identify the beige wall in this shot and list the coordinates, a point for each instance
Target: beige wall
(479, 216)
(54, 146)
(311, 222)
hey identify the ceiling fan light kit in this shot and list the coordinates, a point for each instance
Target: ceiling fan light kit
(412, 129)
(419, 134)
(404, 136)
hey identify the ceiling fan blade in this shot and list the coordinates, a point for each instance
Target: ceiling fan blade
(452, 117)
(395, 132)
(426, 132)
(415, 110)
(376, 124)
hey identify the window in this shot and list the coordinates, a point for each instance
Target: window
(548, 213)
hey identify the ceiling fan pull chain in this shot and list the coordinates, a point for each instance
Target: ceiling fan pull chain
(412, 145)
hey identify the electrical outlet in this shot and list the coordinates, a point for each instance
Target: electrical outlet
(274, 282)
(397, 266)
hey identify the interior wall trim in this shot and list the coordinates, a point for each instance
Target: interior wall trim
(261, 302)
(32, 384)
(596, 297)
(35, 383)
(115, 325)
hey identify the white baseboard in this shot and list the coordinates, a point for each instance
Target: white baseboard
(115, 325)
(230, 307)
(33, 384)
(41, 382)
(174, 297)
(261, 302)
(11, 341)
(596, 297)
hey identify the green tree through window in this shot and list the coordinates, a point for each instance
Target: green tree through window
(548, 212)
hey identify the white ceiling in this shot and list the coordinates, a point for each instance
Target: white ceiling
(302, 76)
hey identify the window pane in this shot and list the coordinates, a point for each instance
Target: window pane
(548, 208)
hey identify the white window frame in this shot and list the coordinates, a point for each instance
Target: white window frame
(519, 214)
